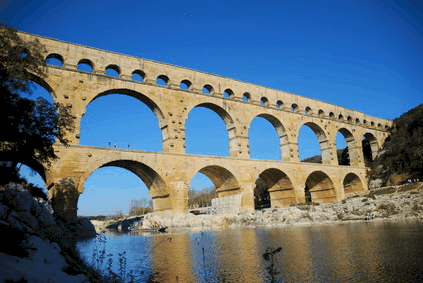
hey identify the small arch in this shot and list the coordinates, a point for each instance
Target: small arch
(386, 127)
(308, 110)
(321, 113)
(85, 65)
(372, 123)
(225, 182)
(364, 122)
(357, 121)
(138, 76)
(294, 107)
(113, 71)
(279, 104)
(55, 59)
(349, 119)
(341, 117)
(246, 97)
(162, 80)
(185, 85)
(352, 184)
(279, 187)
(319, 188)
(208, 89)
(228, 93)
(264, 101)
(331, 115)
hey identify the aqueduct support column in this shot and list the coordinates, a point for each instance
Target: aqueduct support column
(247, 203)
(293, 152)
(299, 193)
(64, 197)
(179, 196)
(356, 156)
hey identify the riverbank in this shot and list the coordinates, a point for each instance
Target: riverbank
(39, 247)
(393, 203)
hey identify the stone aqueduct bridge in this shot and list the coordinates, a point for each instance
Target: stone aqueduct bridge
(168, 174)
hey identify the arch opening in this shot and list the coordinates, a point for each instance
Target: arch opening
(138, 76)
(344, 141)
(121, 127)
(370, 148)
(201, 191)
(224, 181)
(112, 186)
(86, 66)
(308, 111)
(55, 60)
(185, 85)
(264, 101)
(319, 188)
(113, 71)
(228, 93)
(162, 80)
(213, 139)
(273, 189)
(313, 144)
(208, 89)
(279, 104)
(268, 138)
(352, 184)
(246, 97)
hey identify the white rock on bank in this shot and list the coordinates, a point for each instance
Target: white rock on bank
(44, 264)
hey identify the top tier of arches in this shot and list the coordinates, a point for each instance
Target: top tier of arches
(100, 62)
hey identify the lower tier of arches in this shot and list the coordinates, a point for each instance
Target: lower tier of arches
(168, 176)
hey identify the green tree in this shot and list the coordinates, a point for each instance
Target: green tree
(29, 128)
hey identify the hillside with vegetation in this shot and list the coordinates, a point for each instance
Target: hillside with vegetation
(401, 156)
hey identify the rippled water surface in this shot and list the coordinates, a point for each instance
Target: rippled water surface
(361, 252)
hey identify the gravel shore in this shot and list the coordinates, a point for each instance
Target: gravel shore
(384, 204)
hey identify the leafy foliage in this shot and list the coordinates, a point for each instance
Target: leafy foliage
(402, 152)
(29, 127)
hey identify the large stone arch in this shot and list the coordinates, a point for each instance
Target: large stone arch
(225, 182)
(282, 135)
(45, 84)
(227, 119)
(281, 190)
(371, 149)
(163, 124)
(320, 187)
(158, 189)
(352, 183)
(353, 148)
(323, 141)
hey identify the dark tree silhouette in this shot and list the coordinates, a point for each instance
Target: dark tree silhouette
(29, 128)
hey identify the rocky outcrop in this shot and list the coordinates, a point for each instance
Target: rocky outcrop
(33, 249)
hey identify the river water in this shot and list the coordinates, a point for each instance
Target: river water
(353, 252)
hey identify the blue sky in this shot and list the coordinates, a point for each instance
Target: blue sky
(364, 55)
